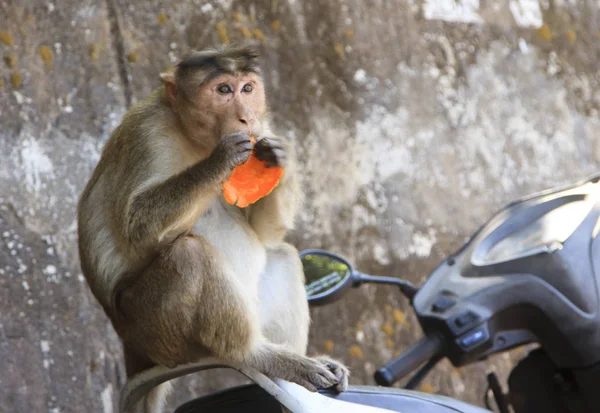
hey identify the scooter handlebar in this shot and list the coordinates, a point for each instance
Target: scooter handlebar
(427, 348)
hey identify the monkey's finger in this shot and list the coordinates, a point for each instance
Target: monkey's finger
(327, 377)
(342, 386)
(341, 373)
(271, 144)
(244, 144)
(237, 138)
(306, 384)
(315, 372)
(266, 155)
(339, 370)
(272, 155)
(243, 149)
(268, 143)
(342, 376)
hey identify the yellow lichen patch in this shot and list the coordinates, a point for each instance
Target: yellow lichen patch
(544, 32)
(427, 388)
(47, 56)
(258, 35)
(387, 329)
(238, 17)
(133, 57)
(245, 32)
(339, 49)
(2, 84)
(276, 25)
(7, 39)
(399, 316)
(571, 35)
(328, 346)
(222, 32)
(16, 79)
(359, 326)
(94, 52)
(162, 18)
(355, 352)
(11, 59)
(388, 308)
(349, 33)
(389, 343)
(397, 353)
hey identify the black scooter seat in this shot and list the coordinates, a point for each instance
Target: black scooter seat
(253, 399)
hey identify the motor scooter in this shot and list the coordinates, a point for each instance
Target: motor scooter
(530, 274)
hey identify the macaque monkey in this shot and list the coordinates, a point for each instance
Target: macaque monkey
(182, 274)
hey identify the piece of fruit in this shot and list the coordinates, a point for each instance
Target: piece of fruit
(251, 181)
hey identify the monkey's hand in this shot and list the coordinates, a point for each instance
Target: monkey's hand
(272, 151)
(340, 371)
(232, 150)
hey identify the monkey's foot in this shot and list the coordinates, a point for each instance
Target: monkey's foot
(341, 372)
(310, 373)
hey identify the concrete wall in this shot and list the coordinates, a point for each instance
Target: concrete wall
(415, 121)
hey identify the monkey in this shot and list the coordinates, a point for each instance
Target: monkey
(180, 273)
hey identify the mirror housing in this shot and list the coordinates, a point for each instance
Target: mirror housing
(335, 274)
(328, 276)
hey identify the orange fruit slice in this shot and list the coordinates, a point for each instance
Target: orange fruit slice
(251, 181)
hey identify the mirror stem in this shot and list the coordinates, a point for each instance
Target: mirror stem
(406, 287)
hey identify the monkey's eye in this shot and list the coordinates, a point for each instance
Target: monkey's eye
(247, 88)
(224, 89)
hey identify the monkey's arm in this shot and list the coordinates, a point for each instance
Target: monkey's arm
(162, 212)
(272, 216)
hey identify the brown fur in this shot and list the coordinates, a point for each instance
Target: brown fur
(181, 274)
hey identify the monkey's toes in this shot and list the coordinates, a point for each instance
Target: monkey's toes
(340, 371)
(315, 375)
(323, 378)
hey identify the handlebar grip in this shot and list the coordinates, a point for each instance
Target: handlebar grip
(427, 348)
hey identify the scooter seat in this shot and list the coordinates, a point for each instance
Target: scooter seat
(253, 399)
(401, 400)
(268, 396)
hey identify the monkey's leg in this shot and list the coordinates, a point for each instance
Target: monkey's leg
(284, 309)
(188, 304)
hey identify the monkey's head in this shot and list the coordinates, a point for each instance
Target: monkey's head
(218, 92)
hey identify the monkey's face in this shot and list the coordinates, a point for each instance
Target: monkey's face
(232, 103)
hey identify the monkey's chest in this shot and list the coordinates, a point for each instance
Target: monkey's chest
(233, 236)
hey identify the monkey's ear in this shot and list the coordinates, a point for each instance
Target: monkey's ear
(168, 79)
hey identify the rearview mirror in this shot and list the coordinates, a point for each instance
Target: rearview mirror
(328, 276)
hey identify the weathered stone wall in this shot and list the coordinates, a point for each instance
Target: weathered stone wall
(415, 121)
